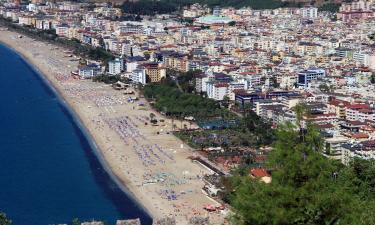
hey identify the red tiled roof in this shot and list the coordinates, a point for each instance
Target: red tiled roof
(359, 135)
(336, 102)
(365, 110)
(259, 172)
(323, 115)
(358, 106)
(326, 126)
(356, 122)
(221, 85)
(260, 158)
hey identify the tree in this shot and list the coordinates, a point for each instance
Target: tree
(76, 221)
(330, 7)
(101, 42)
(152, 116)
(306, 187)
(4, 220)
(328, 148)
(372, 79)
(274, 82)
(147, 55)
(371, 36)
(300, 110)
(203, 27)
(324, 87)
(225, 102)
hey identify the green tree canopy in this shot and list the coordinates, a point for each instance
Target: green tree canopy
(150, 7)
(306, 187)
(4, 220)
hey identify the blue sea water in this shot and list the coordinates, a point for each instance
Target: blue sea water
(49, 174)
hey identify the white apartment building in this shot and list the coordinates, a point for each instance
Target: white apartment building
(89, 71)
(233, 86)
(347, 155)
(116, 66)
(217, 91)
(253, 81)
(200, 84)
(126, 49)
(62, 30)
(139, 75)
(131, 66)
(309, 12)
(25, 20)
(359, 114)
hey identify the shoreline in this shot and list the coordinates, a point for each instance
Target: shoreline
(122, 157)
(78, 121)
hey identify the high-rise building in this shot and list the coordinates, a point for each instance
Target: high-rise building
(309, 12)
(115, 66)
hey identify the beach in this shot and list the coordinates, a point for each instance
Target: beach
(149, 161)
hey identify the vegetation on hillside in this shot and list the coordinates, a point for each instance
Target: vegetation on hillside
(150, 7)
(109, 79)
(223, 127)
(175, 103)
(250, 131)
(330, 7)
(185, 80)
(306, 187)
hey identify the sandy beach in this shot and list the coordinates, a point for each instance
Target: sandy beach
(152, 164)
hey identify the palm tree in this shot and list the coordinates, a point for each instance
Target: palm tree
(300, 110)
(152, 116)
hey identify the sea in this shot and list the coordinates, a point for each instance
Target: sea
(50, 173)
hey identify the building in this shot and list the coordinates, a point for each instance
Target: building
(89, 71)
(25, 20)
(262, 174)
(363, 150)
(213, 20)
(155, 72)
(359, 112)
(306, 48)
(355, 6)
(243, 98)
(356, 15)
(139, 75)
(194, 11)
(116, 66)
(129, 222)
(176, 61)
(93, 223)
(306, 76)
(43, 24)
(130, 28)
(333, 145)
(62, 30)
(309, 12)
(217, 91)
(216, 11)
(200, 83)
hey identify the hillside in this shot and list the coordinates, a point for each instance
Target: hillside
(151, 7)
